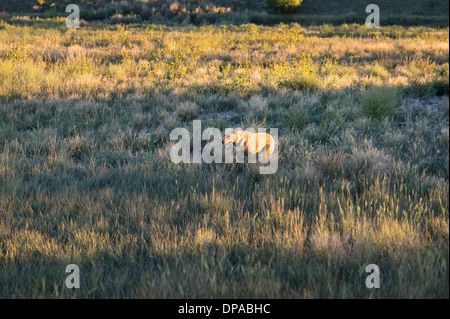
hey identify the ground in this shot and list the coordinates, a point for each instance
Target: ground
(86, 177)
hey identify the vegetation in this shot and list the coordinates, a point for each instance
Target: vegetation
(86, 177)
(206, 12)
(380, 103)
(283, 5)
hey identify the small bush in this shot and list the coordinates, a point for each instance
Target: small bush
(283, 6)
(100, 14)
(51, 13)
(441, 83)
(7, 133)
(187, 111)
(296, 118)
(4, 16)
(128, 19)
(421, 87)
(302, 82)
(86, 14)
(125, 7)
(378, 70)
(145, 13)
(380, 102)
(78, 147)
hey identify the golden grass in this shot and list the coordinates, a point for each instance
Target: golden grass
(86, 177)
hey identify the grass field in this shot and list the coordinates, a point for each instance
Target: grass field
(205, 12)
(86, 177)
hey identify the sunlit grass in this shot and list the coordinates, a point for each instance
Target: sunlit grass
(86, 177)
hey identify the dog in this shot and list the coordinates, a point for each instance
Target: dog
(253, 143)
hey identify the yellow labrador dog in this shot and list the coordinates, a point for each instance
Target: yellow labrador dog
(252, 143)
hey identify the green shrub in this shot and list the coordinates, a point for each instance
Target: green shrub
(378, 70)
(86, 14)
(51, 13)
(7, 133)
(422, 87)
(302, 82)
(441, 83)
(283, 6)
(380, 102)
(296, 118)
(125, 7)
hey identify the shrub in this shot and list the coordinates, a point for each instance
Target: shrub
(296, 118)
(78, 147)
(378, 70)
(302, 82)
(441, 83)
(86, 14)
(125, 7)
(100, 14)
(4, 16)
(187, 111)
(51, 13)
(380, 102)
(128, 19)
(283, 6)
(421, 87)
(145, 13)
(7, 133)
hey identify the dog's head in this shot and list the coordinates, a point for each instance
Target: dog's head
(231, 137)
